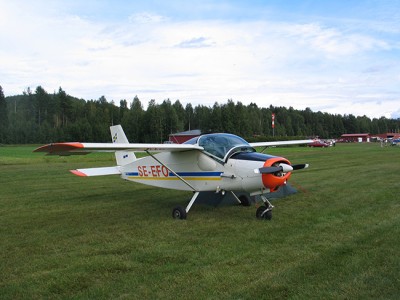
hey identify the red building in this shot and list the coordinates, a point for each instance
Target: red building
(355, 137)
(181, 137)
(389, 135)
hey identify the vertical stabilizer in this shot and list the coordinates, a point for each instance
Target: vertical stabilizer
(118, 136)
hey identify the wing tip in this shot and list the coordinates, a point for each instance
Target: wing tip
(59, 147)
(78, 173)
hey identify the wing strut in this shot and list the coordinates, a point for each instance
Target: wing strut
(265, 148)
(191, 201)
(172, 171)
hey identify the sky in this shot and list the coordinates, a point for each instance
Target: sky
(340, 57)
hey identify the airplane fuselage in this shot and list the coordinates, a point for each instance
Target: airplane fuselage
(206, 174)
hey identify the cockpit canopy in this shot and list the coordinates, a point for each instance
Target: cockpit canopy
(221, 145)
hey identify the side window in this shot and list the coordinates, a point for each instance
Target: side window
(210, 145)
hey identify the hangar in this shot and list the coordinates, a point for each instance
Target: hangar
(181, 137)
(389, 135)
(366, 137)
(355, 137)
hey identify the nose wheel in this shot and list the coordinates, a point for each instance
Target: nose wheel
(264, 212)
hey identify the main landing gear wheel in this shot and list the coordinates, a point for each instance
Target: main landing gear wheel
(244, 200)
(179, 213)
(264, 213)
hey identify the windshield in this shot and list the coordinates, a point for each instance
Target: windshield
(219, 144)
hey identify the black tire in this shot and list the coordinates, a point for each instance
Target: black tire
(244, 200)
(179, 213)
(259, 212)
(266, 216)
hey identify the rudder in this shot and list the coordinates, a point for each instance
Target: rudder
(118, 136)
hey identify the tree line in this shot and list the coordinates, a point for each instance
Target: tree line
(42, 117)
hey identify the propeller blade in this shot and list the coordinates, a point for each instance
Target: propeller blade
(299, 166)
(269, 170)
(281, 168)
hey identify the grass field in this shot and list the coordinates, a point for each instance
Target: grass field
(67, 237)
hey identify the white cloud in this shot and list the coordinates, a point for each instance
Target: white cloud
(332, 42)
(395, 114)
(155, 57)
(199, 42)
(146, 17)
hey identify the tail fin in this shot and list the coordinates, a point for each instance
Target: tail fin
(118, 136)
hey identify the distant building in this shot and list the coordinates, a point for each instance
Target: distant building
(181, 137)
(366, 137)
(355, 137)
(389, 135)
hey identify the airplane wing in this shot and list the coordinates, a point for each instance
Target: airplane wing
(65, 149)
(280, 143)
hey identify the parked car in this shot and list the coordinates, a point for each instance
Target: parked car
(396, 142)
(318, 143)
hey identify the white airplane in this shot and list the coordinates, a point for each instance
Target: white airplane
(218, 162)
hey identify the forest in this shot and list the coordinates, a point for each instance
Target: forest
(41, 117)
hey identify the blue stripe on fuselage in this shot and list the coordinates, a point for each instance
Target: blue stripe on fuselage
(184, 174)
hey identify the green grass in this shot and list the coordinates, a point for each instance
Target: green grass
(67, 237)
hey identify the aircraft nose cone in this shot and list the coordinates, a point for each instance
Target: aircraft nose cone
(286, 168)
(277, 172)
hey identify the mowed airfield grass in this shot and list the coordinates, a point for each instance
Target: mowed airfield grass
(68, 237)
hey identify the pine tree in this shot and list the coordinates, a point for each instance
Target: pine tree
(3, 117)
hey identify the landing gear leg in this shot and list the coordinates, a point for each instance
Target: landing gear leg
(179, 212)
(264, 212)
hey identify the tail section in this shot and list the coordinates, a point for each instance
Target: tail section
(118, 136)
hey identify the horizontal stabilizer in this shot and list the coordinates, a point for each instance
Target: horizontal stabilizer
(97, 171)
